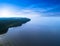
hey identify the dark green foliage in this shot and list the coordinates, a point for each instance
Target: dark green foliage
(6, 23)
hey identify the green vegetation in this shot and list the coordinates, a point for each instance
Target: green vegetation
(6, 23)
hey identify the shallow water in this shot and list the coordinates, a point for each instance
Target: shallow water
(41, 31)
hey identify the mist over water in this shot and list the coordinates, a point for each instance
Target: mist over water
(40, 31)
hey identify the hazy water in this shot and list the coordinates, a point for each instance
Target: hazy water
(41, 31)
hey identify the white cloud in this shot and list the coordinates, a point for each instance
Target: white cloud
(14, 11)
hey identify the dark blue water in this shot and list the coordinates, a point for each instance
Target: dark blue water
(41, 31)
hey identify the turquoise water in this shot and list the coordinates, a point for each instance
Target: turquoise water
(41, 31)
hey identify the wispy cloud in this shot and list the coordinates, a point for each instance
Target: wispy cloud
(33, 11)
(49, 11)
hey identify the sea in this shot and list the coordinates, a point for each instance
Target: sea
(40, 31)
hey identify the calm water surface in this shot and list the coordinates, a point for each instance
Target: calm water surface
(41, 31)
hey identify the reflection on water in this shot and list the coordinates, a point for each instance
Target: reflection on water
(42, 31)
(3, 41)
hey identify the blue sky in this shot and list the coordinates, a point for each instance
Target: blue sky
(26, 3)
(43, 7)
